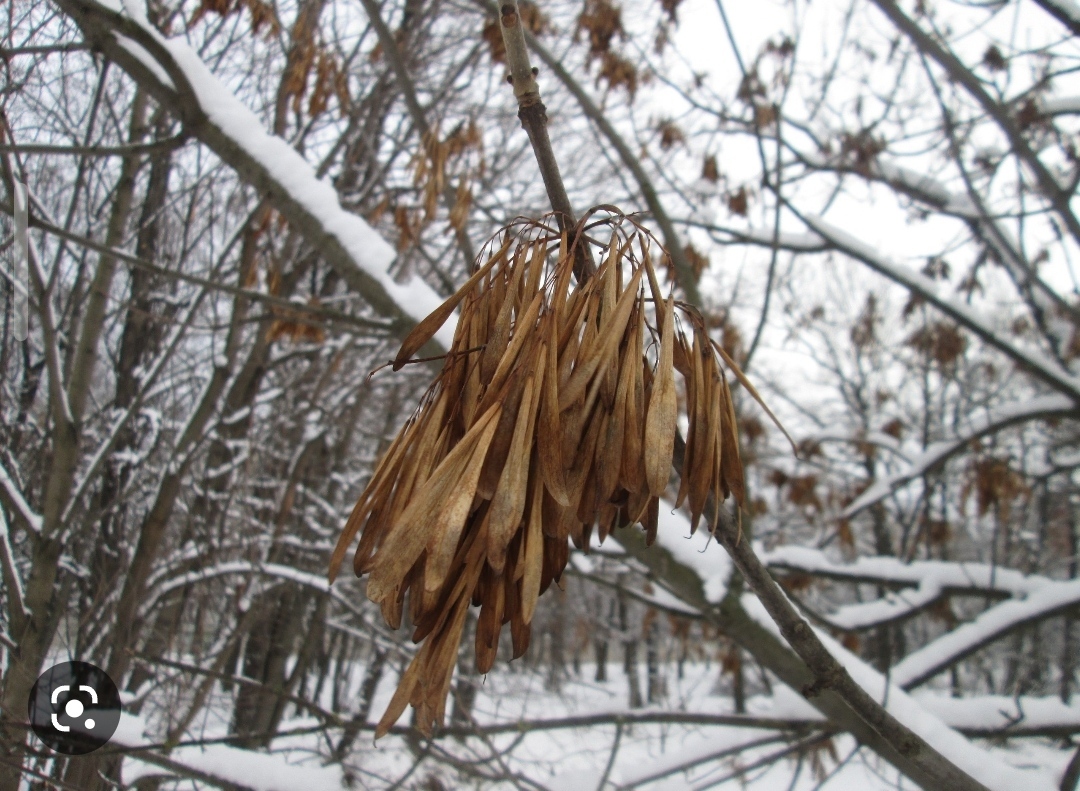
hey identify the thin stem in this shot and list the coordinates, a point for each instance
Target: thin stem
(533, 117)
(611, 758)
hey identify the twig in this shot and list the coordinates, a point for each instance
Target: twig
(767, 760)
(316, 311)
(611, 758)
(169, 144)
(686, 277)
(533, 117)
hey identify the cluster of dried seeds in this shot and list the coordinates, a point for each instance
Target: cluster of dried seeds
(554, 415)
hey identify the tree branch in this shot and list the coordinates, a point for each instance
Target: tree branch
(169, 144)
(896, 741)
(315, 311)
(178, 79)
(687, 280)
(959, 73)
(533, 116)
(416, 112)
(924, 766)
(1062, 13)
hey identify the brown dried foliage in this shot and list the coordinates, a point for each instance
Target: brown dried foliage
(618, 72)
(261, 13)
(600, 21)
(995, 484)
(699, 262)
(861, 150)
(671, 8)
(554, 416)
(939, 341)
(670, 134)
(330, 80)
(739, 202)
(294, 326)
(307, 55)
(431, 167)
(994, 60)
(710, 171)
(864, 332)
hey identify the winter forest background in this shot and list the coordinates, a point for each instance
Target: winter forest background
(239, 208)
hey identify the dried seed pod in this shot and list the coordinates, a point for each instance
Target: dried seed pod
(660, 422)
(547, 424)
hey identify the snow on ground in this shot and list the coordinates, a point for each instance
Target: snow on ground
(255, 770)
(657, 757)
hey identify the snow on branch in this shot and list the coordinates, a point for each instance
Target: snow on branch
(1061, 105)
(932, 580)
(18, 502)
(698, 552)
(1031, 360)
(980, 764)
(1048, 600)
(177, 77)
(246, 567)
(981, 716)
(764, 237)
(938, 452)
(969, 578)
(999, 716)
(9, 573)
(745, 618)
(1030, 598)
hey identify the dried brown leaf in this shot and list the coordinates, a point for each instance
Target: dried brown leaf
(412, 530)
(660, 422)
(426, 329)
(509, 500)
(731, 463)
(534, 552)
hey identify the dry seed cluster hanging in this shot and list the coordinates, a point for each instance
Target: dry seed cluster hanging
(554, 416)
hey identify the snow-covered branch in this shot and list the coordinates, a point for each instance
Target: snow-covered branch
(1067, 12)
(174, 73)
(951, 759)
(1031, 360)
(1030, 598)
(939, 452)
(245, 567)
(980, 579)
(932, 581)
(18, 502)
(1048, 600)
(220, 765)
(980, 764)
(10, 575)
(998, 716)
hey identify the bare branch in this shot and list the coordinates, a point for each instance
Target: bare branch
(939, 452)
(175, 75)
(957, 71)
